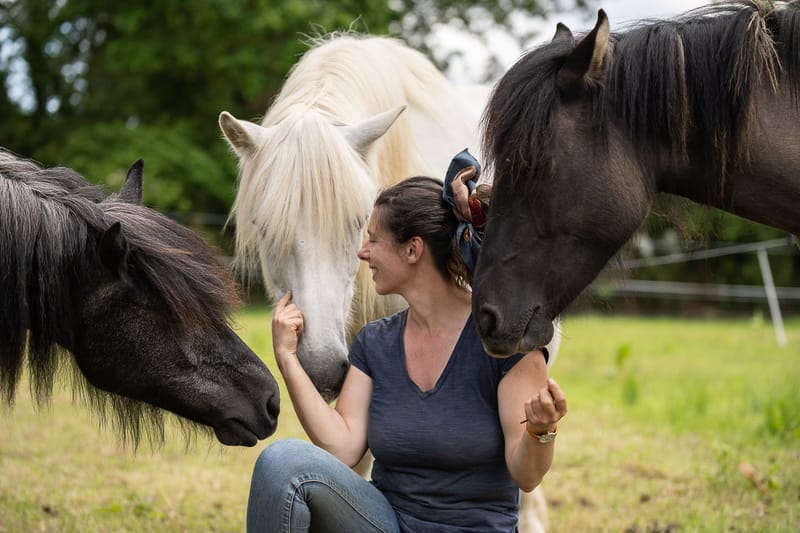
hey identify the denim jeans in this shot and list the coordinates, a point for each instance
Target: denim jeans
(298, 487)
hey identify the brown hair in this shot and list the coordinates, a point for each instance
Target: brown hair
(414, 208)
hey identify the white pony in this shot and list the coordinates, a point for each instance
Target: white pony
(355, 114)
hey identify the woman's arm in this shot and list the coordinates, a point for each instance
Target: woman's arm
(341, 430)
(526, 393)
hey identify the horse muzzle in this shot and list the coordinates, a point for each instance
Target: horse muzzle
(503, 338)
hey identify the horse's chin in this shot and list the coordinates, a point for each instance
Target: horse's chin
(536, 336)
(234, 433)
(498, 351)
(329, 395)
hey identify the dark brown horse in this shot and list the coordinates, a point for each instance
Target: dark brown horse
(134, 303)
(581, 134)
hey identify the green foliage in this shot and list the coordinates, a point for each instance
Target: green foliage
(623, 354)
(179, 175)
(111, 82)
(115, 81)
(630, 390)
(782, 414)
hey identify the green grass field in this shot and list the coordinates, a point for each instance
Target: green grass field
(673, 425)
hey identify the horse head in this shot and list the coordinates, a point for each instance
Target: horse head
(306, 191)
(561, 206)
(149, 325)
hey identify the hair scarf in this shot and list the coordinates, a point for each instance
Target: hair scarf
(469, 239)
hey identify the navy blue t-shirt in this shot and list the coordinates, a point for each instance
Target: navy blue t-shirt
(439, 454)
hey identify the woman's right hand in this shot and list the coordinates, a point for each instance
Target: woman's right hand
(287, 324)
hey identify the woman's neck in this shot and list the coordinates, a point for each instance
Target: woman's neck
(438, 306)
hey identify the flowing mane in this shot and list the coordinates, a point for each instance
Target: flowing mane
(51, 220)
(329, 87)
(342, 80)
(355, 114)
(691, 79)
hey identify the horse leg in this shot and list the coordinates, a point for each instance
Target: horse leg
(533, 516)
(364, 466)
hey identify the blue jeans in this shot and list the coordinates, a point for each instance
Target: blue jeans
(298, 487)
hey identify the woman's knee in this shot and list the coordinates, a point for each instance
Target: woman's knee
(284, 456)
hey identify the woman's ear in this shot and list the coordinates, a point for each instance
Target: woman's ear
(414, 248)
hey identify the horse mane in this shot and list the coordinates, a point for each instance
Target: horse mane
(343, 79)
(668, 81)
(49, 219)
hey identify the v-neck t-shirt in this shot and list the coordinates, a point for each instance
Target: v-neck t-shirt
(439, 454)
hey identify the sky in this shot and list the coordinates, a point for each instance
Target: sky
(469, 69)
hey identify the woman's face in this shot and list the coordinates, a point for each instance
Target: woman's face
(385, 257)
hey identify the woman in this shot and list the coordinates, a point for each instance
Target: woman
(440, 416)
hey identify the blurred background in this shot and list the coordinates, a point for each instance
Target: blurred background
(95, 85)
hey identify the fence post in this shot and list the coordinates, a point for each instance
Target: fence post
(772, 297)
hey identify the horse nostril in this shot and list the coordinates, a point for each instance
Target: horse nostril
(487, 319)
(273, 406)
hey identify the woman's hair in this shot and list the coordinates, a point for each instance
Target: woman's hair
(415, 208)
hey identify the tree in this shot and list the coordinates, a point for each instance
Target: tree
(108, 82)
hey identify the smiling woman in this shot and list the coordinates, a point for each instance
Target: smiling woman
(357, 113)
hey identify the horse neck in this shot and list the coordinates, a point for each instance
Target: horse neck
(761, 182)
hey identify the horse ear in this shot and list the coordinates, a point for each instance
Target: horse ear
(114, 250)
(563, 33)
(586, 64)
(242, 135)
(131, 191)
(362, 135)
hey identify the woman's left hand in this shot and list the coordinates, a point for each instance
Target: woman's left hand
(545, 409)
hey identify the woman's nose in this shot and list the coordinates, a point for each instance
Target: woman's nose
(362, 253)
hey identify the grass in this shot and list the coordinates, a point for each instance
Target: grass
(674, 425)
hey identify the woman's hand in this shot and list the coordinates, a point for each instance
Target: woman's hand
(461, 194)
(470, 206)
(545, 409)
(287, 324)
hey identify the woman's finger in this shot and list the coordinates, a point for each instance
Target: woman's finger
(281, 303)
(544, 403)
(559, 398)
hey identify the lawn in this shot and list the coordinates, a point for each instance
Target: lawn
(674, 425)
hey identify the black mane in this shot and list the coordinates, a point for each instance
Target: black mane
(50, 221)
(694, 75)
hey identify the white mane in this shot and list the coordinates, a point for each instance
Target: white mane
(313, 174)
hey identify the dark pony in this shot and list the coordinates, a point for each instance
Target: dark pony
(581, 134)
(136, 304)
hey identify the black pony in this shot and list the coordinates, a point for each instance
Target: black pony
(582, 133)
(137, 302)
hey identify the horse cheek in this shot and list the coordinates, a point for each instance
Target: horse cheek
(116, 346)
